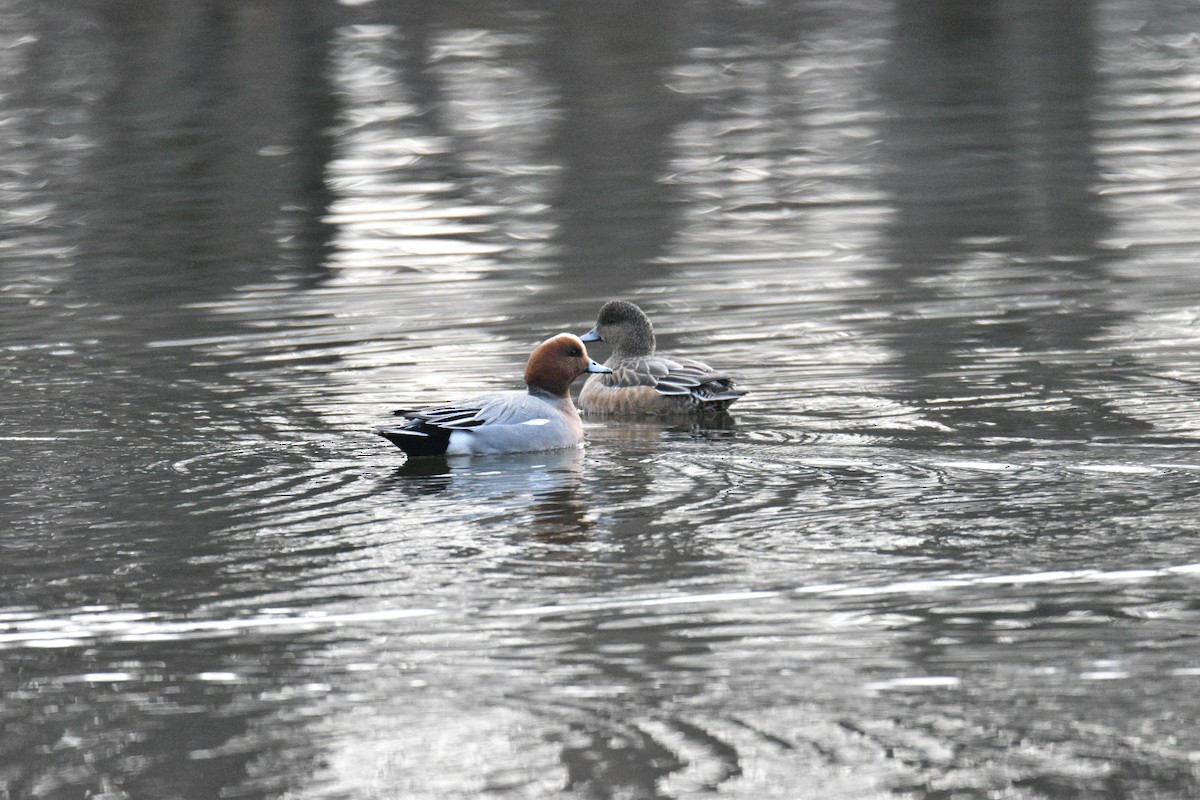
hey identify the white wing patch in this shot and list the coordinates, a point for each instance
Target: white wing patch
(538, 421)
(406, 432)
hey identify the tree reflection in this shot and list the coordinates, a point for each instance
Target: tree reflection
(607, 63)
(996, 244)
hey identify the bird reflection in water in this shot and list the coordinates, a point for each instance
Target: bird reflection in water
(541, 488)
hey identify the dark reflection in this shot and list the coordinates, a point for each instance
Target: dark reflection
(617, 760)
(562, 516)
(991, 140)
(607, 62)
(649, 430)
(432, 467)
(178, 151)
(195, 127)
(210, 148)
(990, 145)
(952, 144)
(627, 746)
(618, 660)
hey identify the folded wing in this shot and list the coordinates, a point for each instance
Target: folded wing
(692, 379)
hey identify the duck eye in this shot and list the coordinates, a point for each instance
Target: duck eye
(574, 352)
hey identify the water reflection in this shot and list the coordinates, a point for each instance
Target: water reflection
(615, 213)
(542, 492)
(945, 547)
(1013, 169)
(157, 719)
(997, 239)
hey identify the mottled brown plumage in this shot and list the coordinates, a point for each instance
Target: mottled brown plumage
(643, 381)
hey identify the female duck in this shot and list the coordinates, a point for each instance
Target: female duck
(540, 418)
(641, 381)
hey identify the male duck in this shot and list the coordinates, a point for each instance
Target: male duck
(641, 381)
(540, 418)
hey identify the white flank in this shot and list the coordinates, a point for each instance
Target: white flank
(460, 444)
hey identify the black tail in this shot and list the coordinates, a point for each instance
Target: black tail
(418, 439)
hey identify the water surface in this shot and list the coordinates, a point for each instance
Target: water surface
(945, 548)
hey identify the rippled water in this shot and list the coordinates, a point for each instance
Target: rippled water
(945, 548)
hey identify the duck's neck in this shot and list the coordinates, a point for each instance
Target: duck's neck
(635, 343)
(547, 394)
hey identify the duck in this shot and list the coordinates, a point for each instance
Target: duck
(641, 381)
(542, 417)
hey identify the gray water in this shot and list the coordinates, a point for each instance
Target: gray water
(946, 548)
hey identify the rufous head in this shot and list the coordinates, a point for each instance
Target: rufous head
(558, 361)
(625, 326)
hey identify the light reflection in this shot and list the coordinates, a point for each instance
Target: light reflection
(916, 682)
(128, 625)
(924, 299)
